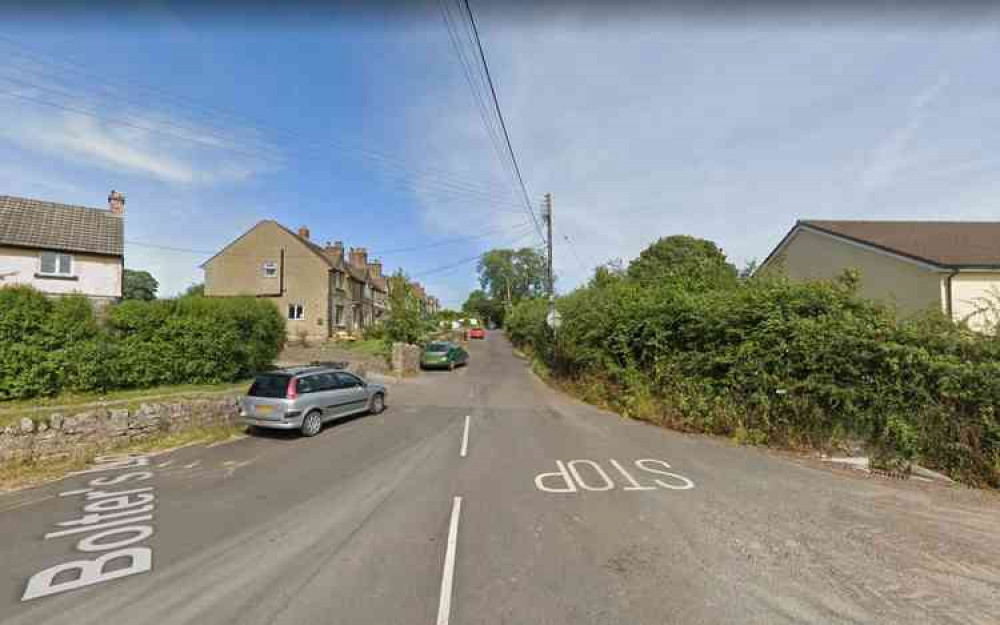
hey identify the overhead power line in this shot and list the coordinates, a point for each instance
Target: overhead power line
(464, 261)
(168, 248)
(441, 242)
(572, 248)
(432, 244)
(425, 177)
(503, 123)
(415, 184)
(471, 67)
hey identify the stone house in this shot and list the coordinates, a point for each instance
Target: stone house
(61, 249)
(953, 267)
(380, 290)
(319, 290)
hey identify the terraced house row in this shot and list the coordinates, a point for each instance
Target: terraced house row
(324, 290)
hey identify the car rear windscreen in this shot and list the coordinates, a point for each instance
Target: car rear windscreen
(438, 348)
(270, 385)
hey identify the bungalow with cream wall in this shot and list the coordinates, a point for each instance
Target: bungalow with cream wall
(914, 265)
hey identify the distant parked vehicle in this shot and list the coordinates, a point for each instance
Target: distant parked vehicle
(303, 398)
(443, 355)
(477, 333)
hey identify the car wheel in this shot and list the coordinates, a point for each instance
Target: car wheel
(312, 424)
(378, 404)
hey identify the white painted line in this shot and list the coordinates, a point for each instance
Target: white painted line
(164, 464)
(192, 465)
(444, 605)
(465, 437)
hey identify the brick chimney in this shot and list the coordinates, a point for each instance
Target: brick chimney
(116, 203)
(304, 232)
(359, 257)
(336, 250)
(376, 267)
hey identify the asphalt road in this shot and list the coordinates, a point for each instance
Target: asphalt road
(555, 513)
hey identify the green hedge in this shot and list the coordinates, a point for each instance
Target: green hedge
(772, 361)
(52, 345)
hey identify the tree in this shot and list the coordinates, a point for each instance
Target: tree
(139, 285)
(749, 269)
(484, 307)
(608, 273)
(404, 322)
(512, 275)
(685, 261)
(446, 314)
(195, 290)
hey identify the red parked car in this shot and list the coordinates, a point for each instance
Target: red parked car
(477, 333)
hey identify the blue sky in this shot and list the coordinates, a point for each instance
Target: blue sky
(364, 129)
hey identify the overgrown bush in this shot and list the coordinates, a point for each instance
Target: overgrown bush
(772, 361)
(51, 345)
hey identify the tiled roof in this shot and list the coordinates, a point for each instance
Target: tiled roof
(381, 283)
(316, 249)
(48, 225)
(945, 243)
(358, 273)
(335, 261)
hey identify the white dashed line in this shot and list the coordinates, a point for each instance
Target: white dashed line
(164, 464)
(465, 437)
(192, 465)
(444, 605)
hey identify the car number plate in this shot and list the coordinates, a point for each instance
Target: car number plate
(263, 409)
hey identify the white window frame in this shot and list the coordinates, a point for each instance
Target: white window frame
(57, 264)
(270, 269)
(296, 312)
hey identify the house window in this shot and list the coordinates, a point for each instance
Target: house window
(296, 312)
(54, 263)
(338, 280)
(338, 318)
(270, 269)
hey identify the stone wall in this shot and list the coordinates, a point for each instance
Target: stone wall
(68, 433)
(405, 359)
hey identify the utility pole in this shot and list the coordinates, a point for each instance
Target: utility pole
(547, 216)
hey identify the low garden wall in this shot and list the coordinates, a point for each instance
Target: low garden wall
(68, 434)
(405, 359)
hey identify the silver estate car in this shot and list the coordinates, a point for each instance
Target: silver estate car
(303, 398)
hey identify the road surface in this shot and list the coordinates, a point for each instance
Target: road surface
(482, 496)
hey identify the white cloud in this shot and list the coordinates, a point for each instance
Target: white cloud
(91, 129)
(731, 132)
(891, 154)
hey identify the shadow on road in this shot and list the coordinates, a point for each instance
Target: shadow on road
(294, 435)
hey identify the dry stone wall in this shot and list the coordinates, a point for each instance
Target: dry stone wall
(68, 434)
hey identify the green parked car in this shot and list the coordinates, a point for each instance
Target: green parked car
(443, 355)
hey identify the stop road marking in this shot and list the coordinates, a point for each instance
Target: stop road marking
(575, 475)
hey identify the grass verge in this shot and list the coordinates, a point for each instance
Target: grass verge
(371, 347)
(18, 475)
